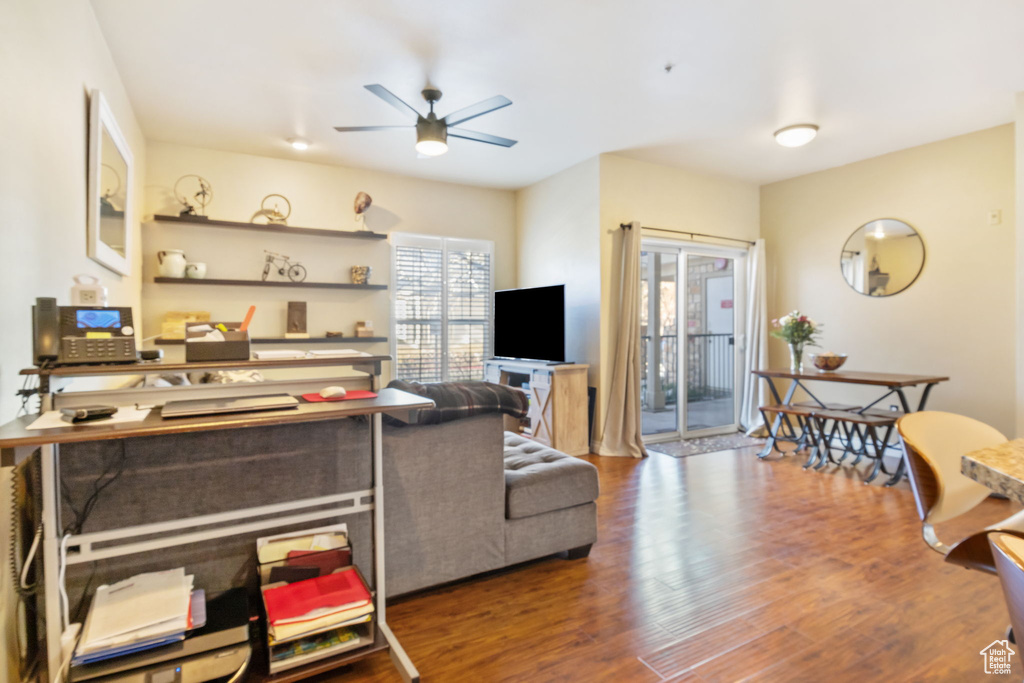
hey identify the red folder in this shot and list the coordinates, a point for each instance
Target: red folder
(316, 597)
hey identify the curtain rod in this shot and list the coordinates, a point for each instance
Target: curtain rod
(629, 226)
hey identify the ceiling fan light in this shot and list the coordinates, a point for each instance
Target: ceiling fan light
(432, 148)
(797, 135)
(299, 143)
(431, 136)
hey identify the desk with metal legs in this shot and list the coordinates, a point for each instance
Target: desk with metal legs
(59, 550)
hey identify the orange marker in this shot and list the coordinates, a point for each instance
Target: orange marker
(248, 319)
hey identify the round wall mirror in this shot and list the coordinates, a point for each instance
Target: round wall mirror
(882, 258)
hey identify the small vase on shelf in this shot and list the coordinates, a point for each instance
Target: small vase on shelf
(796, 357)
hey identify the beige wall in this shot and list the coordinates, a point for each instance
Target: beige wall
(1019, 231)
(661, 197)
(958, 319)
(52, 55)
(558, 243)
(321, 196)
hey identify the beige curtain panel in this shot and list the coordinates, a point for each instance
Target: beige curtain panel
(755, 352)
(622, 422)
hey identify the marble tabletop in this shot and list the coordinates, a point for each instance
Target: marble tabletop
(1001, 468)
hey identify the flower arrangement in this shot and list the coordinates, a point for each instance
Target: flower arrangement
(796, 330)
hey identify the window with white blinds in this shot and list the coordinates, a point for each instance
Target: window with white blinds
(441, 307)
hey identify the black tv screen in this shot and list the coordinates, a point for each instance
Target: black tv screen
(530, 323)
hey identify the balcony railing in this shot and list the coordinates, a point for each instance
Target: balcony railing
(710, 372)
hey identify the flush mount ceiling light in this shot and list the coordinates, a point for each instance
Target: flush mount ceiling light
(298, 143)
(879, 233)
(797, 135)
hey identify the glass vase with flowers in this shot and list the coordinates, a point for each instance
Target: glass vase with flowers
(798, 331)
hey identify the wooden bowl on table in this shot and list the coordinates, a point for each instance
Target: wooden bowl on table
(828, 362)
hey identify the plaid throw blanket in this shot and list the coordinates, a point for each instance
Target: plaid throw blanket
(456, 400)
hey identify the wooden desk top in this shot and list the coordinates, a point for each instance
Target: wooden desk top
(884, 379)
(144, 367)
(1001, 468)
(14, 433)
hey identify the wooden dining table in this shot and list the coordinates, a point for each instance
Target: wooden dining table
(891, 384)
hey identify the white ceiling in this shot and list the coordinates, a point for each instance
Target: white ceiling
(585, 76)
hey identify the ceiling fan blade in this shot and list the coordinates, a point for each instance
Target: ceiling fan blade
(480, 137)
(352, 129)
(478, 109)
(391, 98)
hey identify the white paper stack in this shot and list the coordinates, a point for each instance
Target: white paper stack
(136, 614)
(336, 353)
(278, 354)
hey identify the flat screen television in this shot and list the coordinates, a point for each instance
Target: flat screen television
(529, 324)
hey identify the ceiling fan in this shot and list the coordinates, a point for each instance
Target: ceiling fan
(432, 133)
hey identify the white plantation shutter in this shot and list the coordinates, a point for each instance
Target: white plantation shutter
(441, 307)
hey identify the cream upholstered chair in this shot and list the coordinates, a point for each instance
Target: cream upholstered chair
(1008, 552)
(933, 444)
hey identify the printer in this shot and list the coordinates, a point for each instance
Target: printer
(219, 649)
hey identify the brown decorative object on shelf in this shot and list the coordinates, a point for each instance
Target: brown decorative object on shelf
(296, 327)
(364, 328)
(361, 275)
(331, 334)
(362, 203)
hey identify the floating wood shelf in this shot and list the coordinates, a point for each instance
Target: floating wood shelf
(282, 340)
(280, 229)
(144, 367)
(262, 283)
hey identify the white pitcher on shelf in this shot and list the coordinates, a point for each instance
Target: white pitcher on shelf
(171, 263)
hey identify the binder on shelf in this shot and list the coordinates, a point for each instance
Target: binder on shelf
(303, 554)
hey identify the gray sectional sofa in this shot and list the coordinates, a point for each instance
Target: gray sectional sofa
(465, 497)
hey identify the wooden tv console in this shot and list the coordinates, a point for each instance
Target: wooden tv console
(558, 409)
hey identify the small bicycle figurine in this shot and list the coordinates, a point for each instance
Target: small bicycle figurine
(296, 272)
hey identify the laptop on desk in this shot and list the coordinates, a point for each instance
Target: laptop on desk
(217, 406)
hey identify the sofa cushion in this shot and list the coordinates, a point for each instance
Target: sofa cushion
(539, 479)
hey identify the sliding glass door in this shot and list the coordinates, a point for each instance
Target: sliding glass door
(691, 371)
(659, 311)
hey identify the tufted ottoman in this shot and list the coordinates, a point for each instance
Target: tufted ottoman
(549, 501)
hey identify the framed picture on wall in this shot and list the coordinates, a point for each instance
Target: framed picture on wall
(108, 225)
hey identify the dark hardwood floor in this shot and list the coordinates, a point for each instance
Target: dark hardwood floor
(719, 567)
